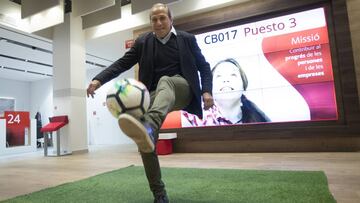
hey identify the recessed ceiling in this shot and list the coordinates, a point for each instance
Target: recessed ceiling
(27, 58)
(123, 2)
(16, 1)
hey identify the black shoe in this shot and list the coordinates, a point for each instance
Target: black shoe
(161, 199)
(141, 132)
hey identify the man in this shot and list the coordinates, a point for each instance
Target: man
(169, 61)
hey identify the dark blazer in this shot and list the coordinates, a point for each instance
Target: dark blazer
(191, 62)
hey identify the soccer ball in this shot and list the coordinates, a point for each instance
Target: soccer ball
(128, 96)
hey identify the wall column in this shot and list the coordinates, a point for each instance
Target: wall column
(69, 92)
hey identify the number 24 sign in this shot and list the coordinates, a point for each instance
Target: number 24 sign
(17, 118)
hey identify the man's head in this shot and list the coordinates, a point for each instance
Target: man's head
(160, 19)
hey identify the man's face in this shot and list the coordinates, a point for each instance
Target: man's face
(160, 22)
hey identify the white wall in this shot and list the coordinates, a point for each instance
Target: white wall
(38, 97)
(102, 126)
(29, 96)
(21, 91)
(41, 99)
(16, 89)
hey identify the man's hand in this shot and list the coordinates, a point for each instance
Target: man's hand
(94, 85)
(208, 100)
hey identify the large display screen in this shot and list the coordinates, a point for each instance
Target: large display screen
(273, 70)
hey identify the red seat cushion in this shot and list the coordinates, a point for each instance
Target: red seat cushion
(59, 119)
(50, 127)
(56, 123)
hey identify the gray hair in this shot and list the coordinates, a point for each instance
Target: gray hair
(159, 5)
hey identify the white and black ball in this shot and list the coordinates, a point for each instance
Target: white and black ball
(128, 96)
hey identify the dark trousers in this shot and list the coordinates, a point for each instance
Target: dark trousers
(172, 93)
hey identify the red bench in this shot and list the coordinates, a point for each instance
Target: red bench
(55, 124)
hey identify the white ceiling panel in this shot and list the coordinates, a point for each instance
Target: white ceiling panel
(25, 65)
(96, 62)
(27, 53)
(31, 7)
(85, 7)
(21, 76)
(20, 51)
(25, 38)
(140, 5)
